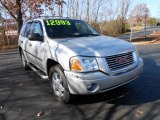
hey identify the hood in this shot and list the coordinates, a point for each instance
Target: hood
(97, 46)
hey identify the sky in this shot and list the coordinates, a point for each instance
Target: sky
(153, 5)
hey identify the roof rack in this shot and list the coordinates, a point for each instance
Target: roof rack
(47, 17)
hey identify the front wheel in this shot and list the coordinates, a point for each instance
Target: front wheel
(59, 84)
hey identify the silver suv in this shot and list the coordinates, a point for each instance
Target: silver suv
(76, 58)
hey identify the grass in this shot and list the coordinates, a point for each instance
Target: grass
(6, 47)
(137, 28)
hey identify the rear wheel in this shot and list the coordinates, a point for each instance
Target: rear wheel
(24, 62)
(59, 84)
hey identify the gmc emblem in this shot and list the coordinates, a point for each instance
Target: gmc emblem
(122, 59)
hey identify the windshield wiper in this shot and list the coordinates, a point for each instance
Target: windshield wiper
(88, 34)
(75, 35)
(64, 35)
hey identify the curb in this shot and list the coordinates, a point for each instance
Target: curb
(153, 42)
(7, 53)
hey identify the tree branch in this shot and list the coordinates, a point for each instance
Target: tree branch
(8, 10)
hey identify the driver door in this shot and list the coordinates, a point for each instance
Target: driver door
(38, 46)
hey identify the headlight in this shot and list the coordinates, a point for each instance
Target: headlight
(83, 64)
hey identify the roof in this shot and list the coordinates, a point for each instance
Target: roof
(50, 17)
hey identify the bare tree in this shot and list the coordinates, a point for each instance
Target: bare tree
(81, 8)
(88, 10)
(74, 8)
(60, 4)
(17, 9)
(123, 12)
(96, 8)
(14, 9)
(2, 30)
(139, 13)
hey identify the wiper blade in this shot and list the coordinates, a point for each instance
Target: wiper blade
(75, 35)
(71, 35)
(64, 35)
(89, 35)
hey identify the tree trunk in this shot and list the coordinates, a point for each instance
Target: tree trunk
(19, 23)
(19, 16)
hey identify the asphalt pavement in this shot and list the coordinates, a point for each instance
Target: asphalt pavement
(149, 30)
(25, 96)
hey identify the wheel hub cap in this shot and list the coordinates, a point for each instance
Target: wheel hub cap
(57, 84)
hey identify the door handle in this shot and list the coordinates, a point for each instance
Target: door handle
(30, 44)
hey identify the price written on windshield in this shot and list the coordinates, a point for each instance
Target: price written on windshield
(57, 22)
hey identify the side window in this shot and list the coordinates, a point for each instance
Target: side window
(23, 30)
(37, 28)
(27, 29)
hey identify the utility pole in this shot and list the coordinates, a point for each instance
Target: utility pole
(145, 28)
(145, 21)
(131, 34)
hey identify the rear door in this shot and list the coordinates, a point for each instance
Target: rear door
(25, 42)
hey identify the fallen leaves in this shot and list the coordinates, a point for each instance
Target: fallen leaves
(2, 107)
(40, 114)
(139, 113)
(20, 84)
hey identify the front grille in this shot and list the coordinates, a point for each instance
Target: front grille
(119, 61)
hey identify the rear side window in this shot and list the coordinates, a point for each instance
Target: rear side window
(26, 29)
(23, 30)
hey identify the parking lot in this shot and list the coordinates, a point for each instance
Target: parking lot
(25, 96)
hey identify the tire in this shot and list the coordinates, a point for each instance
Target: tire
(24, 62)
(59, 84)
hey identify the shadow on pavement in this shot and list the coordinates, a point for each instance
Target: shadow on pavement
(143, 90)
(124, 103)
(24, 94)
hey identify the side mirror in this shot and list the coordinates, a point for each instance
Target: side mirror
(35, 37)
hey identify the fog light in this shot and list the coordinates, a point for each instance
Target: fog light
(91, 87)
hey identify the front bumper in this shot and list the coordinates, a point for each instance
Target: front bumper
(97, 82)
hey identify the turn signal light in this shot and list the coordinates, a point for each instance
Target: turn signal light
(76, 65)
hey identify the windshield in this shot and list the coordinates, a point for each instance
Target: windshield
(57, 28)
